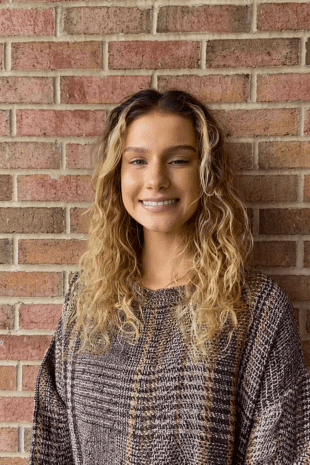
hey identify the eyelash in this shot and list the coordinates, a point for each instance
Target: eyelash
(132, 162)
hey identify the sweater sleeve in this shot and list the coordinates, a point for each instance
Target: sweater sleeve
(51, 441)
(281, 428)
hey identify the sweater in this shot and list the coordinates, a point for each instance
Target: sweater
(149, 403)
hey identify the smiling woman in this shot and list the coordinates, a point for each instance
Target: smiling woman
(170, 349)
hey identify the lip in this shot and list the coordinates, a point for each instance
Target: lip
(158, 199)
(159, 208)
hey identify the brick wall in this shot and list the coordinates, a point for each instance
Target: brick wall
(63, 67)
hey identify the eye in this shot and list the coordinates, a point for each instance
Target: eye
(174, 161)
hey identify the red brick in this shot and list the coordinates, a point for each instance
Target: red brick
(13, 460)
(271, 188)
(95, 89)
(42, 187)
(60, 122)
(296, 287)
(237, 53)
(31, 220)
(56, 55)
(79, 222)
(206, 18)
(30, 374)
(50, 251)
(16, 409)
(212, 88)
(278, 121)
(23, 347)
(288, 154)
(31, 284)
(240, 155)
(1, 56)
(106, 20)
(143, 54)
(274, 254)
(283, 87)
(36, 155)
(6, 317)
(6, 187)
(7, 378)
(307, 254)
(277, 221)
(18, 89)
(39, 316)
(6, 250)
(27, 22)
(307, 189)
(283, 16)
(8, 440)
(307, 123)
(308, 52)
(78, 156)
(4, 122)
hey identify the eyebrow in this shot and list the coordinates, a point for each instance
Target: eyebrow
(169, 150)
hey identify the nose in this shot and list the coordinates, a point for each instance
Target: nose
(156, 175)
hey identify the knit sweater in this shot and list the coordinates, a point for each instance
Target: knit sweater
(149, 403)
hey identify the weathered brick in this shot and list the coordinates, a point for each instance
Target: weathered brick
(23, 347)
(143, 54)
(60, 122)
(288, 154)
(19, 89)
(94, 89)
(31, 220)
(283, 16)
(6, 187)
(306, 351)
(7, 378)
(278, 121)
(79, 156)
(14, 460)
(56, 55)
(8, 440)
(296, 287)
(206, 18)
(30, 155)
(4, 122)
(6, 317)
(307, 255)
(274, 254)
(16, 409)
(42, 187)
(212, 88)
(307, 122)
(79, 223)
(271, 188)
(27, 439)
(50, 251)
(31, 284)
(307, 327)
(106, 20)
(234, 53)
(278, 221)
(27, 22)
(6, 250)
(1, 56)
(240, 155)
(308, 52)
(39, 316)
(283, 87)
(307, 189)
(30, 373)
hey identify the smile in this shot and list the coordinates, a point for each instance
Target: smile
(160, 206)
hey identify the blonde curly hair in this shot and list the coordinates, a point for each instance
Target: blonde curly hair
(218, 237)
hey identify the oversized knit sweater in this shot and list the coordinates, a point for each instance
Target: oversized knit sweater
(150, 404)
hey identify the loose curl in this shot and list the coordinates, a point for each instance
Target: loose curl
(218, 237)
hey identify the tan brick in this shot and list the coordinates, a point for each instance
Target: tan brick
(94, 89)
(288, 154)
(27, 439)
(296, 287)
(6, 187)
(60, 122)
(283, 16)
(27, 22)
(7, 377)
(50, 251)
(212, 88)
(274, 254)
(283, 87)
(23, 347)
(278, 221)
(30, 374)
(154, 54)
(6, 316)
(237, 53)
(31, 220)
(42, 187)
(56, 55)
(307, 255)
(79, 156)
(206, 18)
(6, 251)
(16, 409)
(271, 188)
(8, 439)
(29, 155)
(4, 122)
(18, 89)
(79, 222)
(39, 316)
(31, 284)
(106, 20)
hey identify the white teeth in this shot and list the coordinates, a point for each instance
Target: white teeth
(167, 202)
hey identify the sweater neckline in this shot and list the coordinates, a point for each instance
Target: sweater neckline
(161, 297)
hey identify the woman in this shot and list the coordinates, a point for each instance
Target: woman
(169, 349)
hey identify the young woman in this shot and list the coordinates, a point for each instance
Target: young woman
(170, 350)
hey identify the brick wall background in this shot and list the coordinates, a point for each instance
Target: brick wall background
(63, 67)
